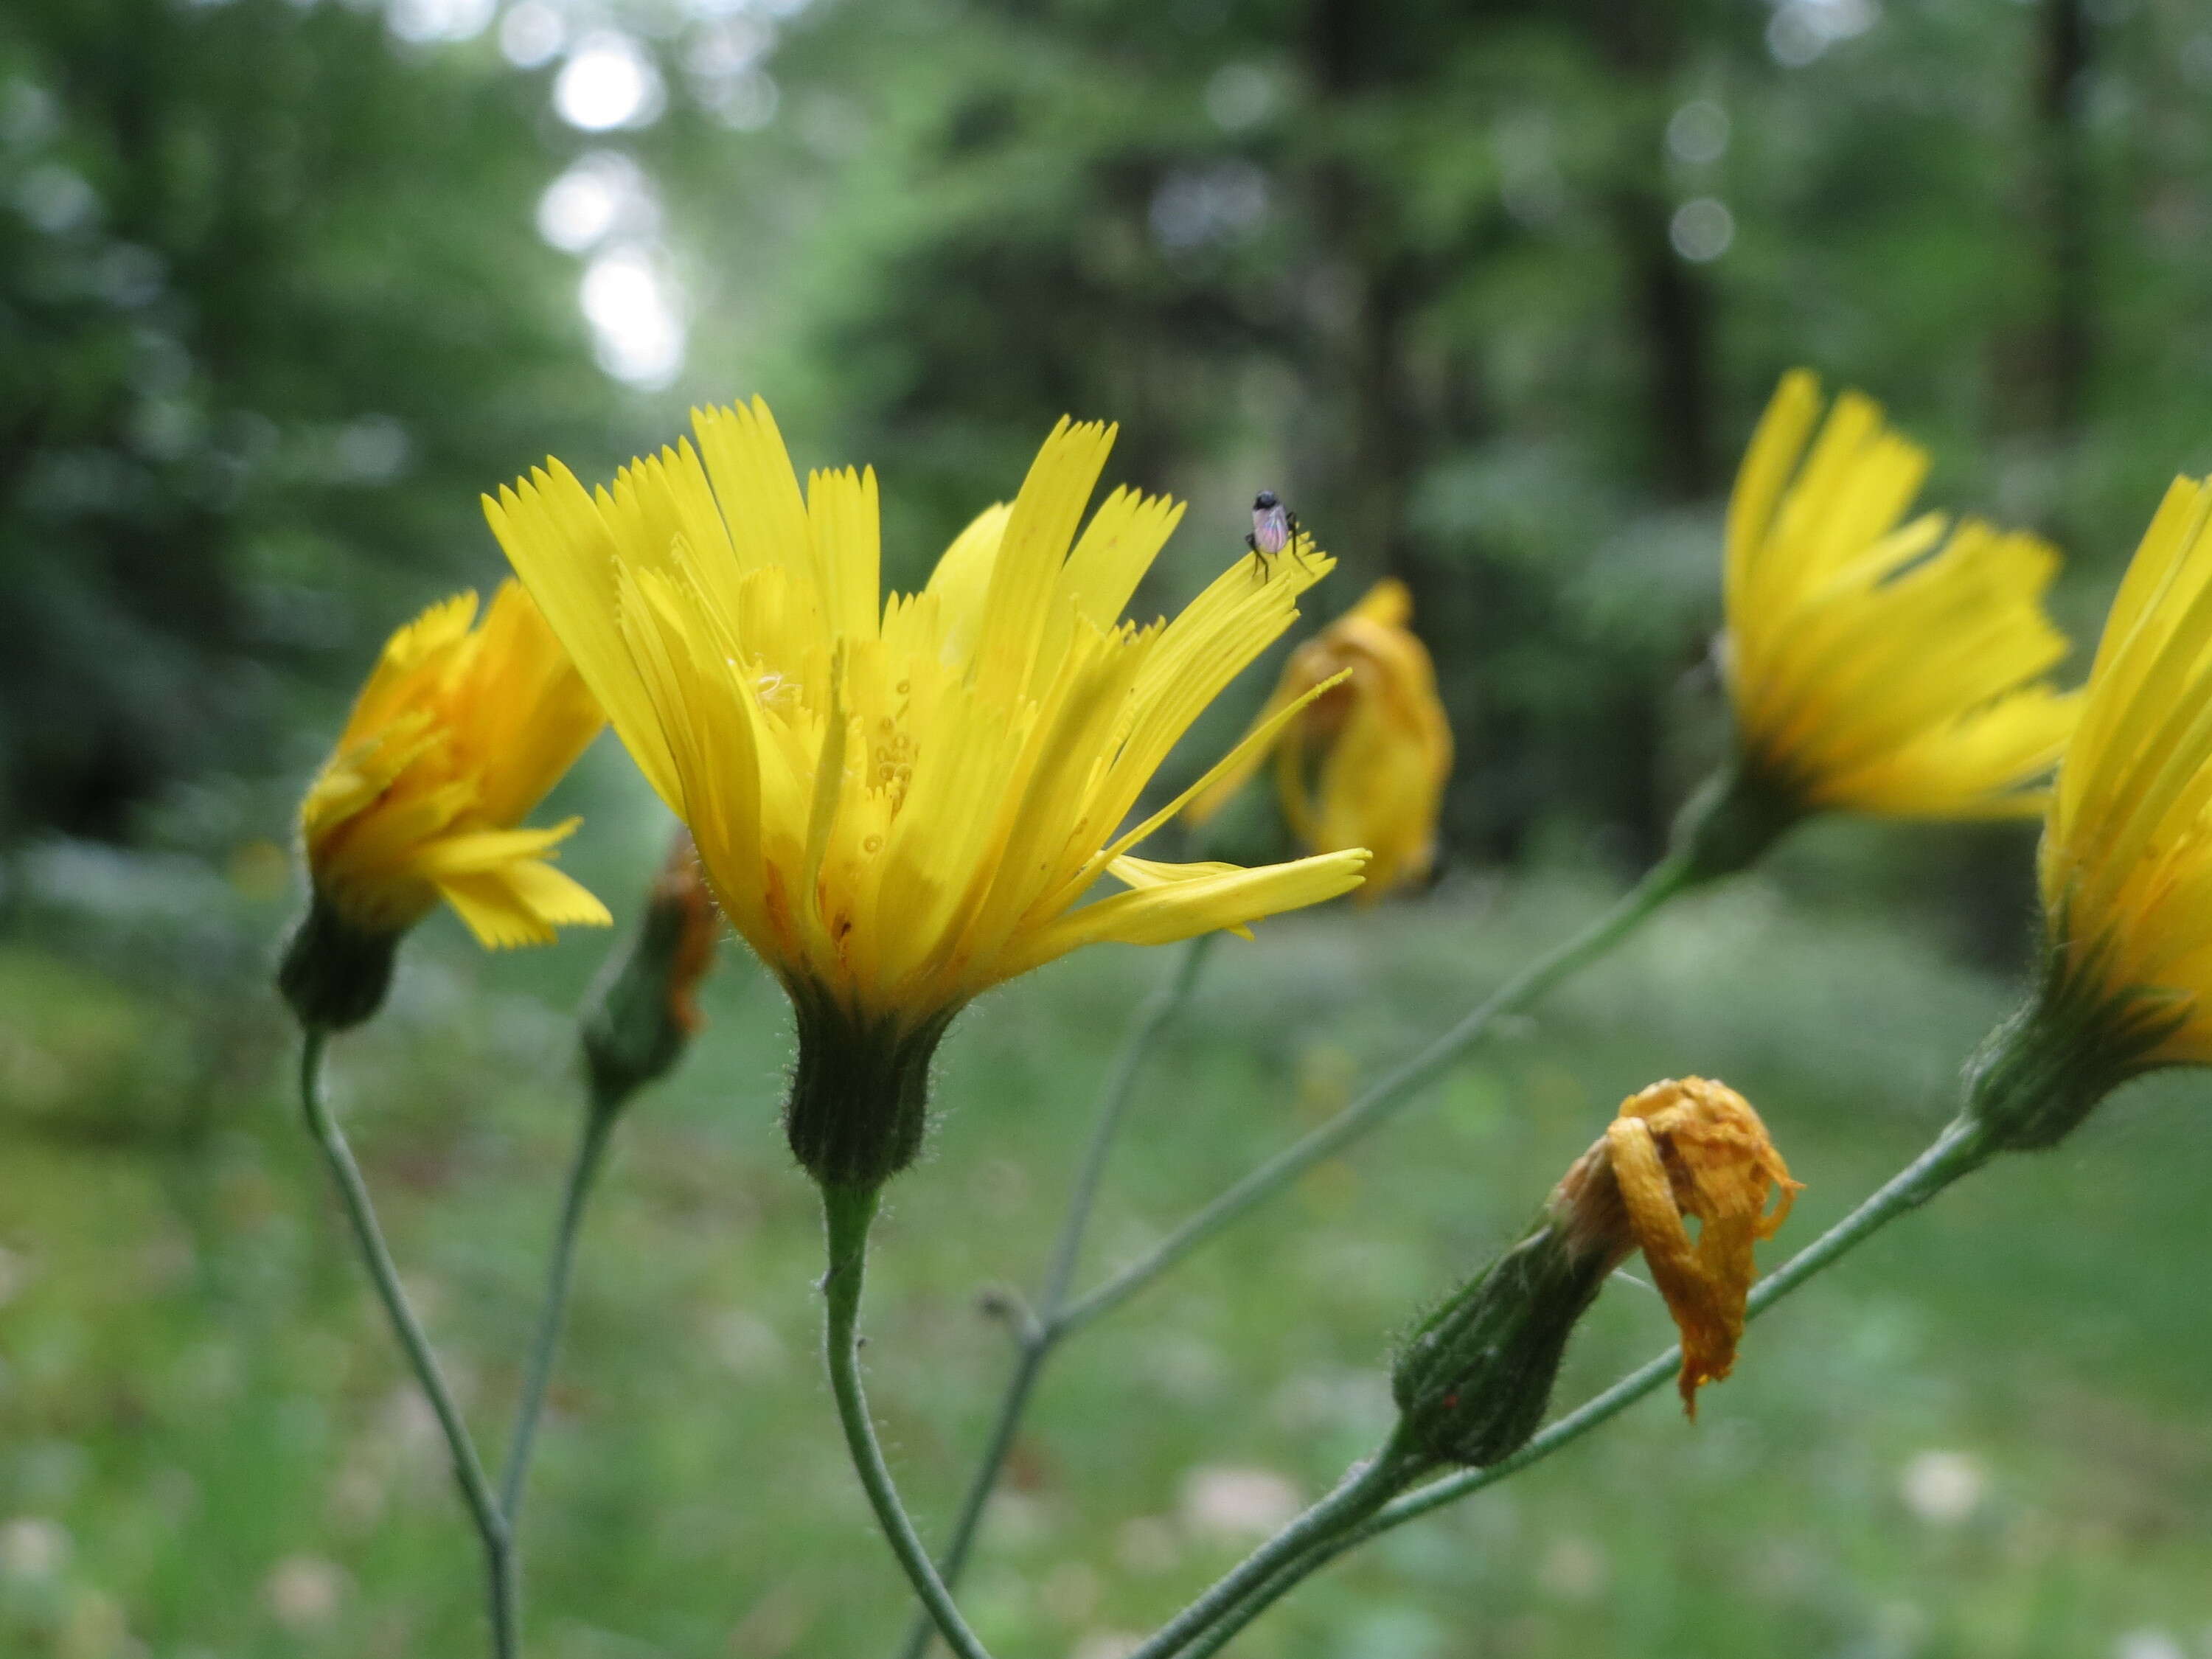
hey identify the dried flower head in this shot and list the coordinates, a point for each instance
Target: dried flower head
(644, 1009)
(682, 892)
(1687, 1148)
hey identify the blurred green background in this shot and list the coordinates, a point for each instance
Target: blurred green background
(1491, 293)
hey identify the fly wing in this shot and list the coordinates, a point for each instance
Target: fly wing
(1271, 528)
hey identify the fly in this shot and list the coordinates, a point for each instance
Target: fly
(1275, 530)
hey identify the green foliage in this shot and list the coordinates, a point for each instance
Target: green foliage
(1415, 265)
(202, 1396)
(271, 313)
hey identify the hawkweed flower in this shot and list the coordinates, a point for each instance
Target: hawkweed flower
(1473, 1379)
(458, 732)
(1876, 663)
(2125, 867)
(901, 802)
(643, 1010)
(1366, 762)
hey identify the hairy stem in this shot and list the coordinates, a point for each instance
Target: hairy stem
(484, 1509)
(1362, 1492)
(1040, 1333)
(847, 1213)
(1386, 1097)
(1113, 1105)
(583, 1171)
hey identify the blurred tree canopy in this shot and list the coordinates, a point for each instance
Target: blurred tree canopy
(1494, 293)
(271, 313)
(1491, 293)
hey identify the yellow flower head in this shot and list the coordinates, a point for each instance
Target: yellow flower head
(901, 802)
(457, 735)
(1384, 747)
(1693, 1148)
(2126, 862)
(1879, 664)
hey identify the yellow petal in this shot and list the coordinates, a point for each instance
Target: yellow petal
(1877, 664)
(1166, 912)
(1142, 874)
(901, 804)
(457, 735)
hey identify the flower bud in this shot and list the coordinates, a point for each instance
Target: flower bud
(1473, 1381)
(335, 973)
(1732, 820)
(642, 1011)
(859, 1092)
(2046, 1068)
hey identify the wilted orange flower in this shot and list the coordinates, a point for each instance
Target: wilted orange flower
(643, 1010)
(681, 892)
(1691, 1147)
(1367, 763)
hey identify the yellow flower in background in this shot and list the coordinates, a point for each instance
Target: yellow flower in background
(456, 735)
(1686, 1148)
(2126, 862)
(1365, 763)
(1879, 664)
(901, 802)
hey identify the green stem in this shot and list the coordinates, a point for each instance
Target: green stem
(1662, 881)
(1114, 1104)
(847, 1213)
(1040, 1333)
(1963, 1146)
(600, 1117)
(1029, 1364)
(1285, 1579)
(1362, 1492)
(491, 1525)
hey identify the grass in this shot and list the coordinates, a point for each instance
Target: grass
(1981, 1437)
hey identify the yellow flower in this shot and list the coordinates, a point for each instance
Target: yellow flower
(1880, 664)
(457, 735)
(1692, 1147)
(1385, 747)
(901, 802)
(2126, 862)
